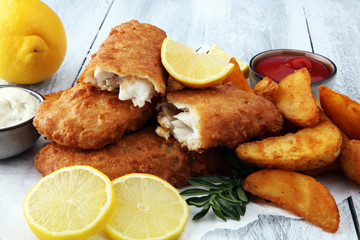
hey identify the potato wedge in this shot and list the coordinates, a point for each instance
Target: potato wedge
(343, 111)
(350, 160)
(317, 171)
(299, 193)
(237, 77)
(308, 148)
(266, 88)
(335, 164)
(295, 100)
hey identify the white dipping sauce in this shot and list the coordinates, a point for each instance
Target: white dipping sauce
(16, 106)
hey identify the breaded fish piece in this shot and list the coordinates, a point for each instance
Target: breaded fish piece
(129, 62)
(139, 152)
(53, 96)
(222, 115)
(88, 118)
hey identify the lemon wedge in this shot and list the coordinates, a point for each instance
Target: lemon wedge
(148, 207)
(71, 203)
(216, 51)
(193, 69)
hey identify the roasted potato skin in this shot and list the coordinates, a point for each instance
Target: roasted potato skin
(306, 149)
(299, 193)
(266, 88)
(350, 160)
(317, 171)
(334, 165)
(295, 100)
(343, 111)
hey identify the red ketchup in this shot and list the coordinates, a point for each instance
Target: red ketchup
(278, 67)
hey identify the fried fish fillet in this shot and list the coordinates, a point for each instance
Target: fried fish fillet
(88, 118)
(222, 115)
(139, 152)
(129, 62)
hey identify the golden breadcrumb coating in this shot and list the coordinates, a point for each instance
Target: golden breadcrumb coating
(139, 152)
(222, 115)
(87, 118)
(131, 48)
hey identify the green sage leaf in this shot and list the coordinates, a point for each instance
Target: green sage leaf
(240, 209)
(202, 183)
(241, 194)
(216, 209)
(202, 213)
(231, 201)
(215, 179)
(227, 209)
(194, 192)
(198, 201)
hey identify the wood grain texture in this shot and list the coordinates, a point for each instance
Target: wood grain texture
(81, 20)
(335, 32)
(355, 201)
(242, 28)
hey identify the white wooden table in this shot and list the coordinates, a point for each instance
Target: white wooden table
(242, 28)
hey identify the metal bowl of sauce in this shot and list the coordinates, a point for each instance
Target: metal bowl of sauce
(17, 111)
(277, 64)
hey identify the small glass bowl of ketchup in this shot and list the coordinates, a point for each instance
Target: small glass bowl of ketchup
(277, 64)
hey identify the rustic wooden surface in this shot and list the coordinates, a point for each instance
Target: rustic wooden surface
(243, 28)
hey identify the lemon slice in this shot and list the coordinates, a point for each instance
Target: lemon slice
(216, 51)
(192, 69)
(71, 203)
(147, 208)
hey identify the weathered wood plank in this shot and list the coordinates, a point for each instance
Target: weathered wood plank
(243, 28)
(355, 199)
(82, 20)
(334, 28)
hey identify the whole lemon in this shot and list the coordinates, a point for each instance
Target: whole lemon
(32, 41)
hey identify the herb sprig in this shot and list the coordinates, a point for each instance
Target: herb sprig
(224, 195)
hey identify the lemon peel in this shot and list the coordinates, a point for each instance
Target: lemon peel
(71, 203)
(32, 46)
(216, 51)
(148, 208)
(193, 69)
